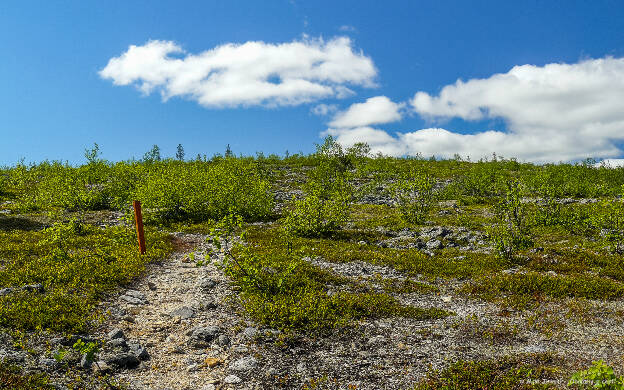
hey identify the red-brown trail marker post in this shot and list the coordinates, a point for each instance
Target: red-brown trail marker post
(139, 225)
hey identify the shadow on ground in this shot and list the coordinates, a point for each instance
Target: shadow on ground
(8, 223)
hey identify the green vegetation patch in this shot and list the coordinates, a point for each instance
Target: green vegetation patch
(519, 372)
(170, 190)
(12, 378)
(68, 267)
(281, 290)
(534, 284)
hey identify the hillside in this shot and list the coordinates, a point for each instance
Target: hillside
(330, 271)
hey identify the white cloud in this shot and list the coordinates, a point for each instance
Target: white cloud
(611, 163)
(324, 109)
(347, 28)
(252, 73)
(557, 112)
(375, 110)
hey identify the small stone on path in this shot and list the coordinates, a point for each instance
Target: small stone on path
(232, 379)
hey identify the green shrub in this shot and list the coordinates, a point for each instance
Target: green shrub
(509, 373)
(280, 289)
(598, 376)
(173, 191)
(549, 212)
(480, 181)
(327, 196)
(12, 378)
(609, 217)
(533, 284)
(415, 196)
(511, 233)
(316, 215)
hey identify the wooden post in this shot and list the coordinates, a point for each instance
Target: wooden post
(139, 225)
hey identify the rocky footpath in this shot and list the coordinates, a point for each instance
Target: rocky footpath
(185, 319)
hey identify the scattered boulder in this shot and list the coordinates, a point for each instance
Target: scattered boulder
(85, 363)
(246, 363)
(223, 340)
(116, 334)
(134, 297)
(138, 351)
(201, 336)
(122, 360)
(206, 284)
(118, 343)
(184, 312)
(434, 244)
(232, 379)
(38, 287)
(101, 367)
(249, 333)
(5, 291)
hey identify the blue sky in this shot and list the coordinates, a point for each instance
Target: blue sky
(56, 99)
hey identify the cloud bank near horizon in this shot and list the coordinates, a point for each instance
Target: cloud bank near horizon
(249, 74)
(556, 112)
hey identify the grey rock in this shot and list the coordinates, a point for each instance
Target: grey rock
(240, 349)
(138, 351)
(183, 312)
(209, 386)
(208, 305)
(116, 334)
(246, 363)
(406, 233)
(206, 284)
(201, 336)
(223, 340)
(249, 333)
(47, 363)
(84, 362)
(377, 340)
(12, 357)
(5, 291)
(118, 343)
(136, 294)
(102, 367)
(122, 360)
(151, 286)
(232, 379)
(38, 287)
(434, 244)
(132, 300)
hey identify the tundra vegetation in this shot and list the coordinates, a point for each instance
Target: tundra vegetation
(518, 236)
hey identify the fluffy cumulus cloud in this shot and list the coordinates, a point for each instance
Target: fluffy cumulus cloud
(556, 112)
(252, 73)
(611, 163)
(376, 110)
